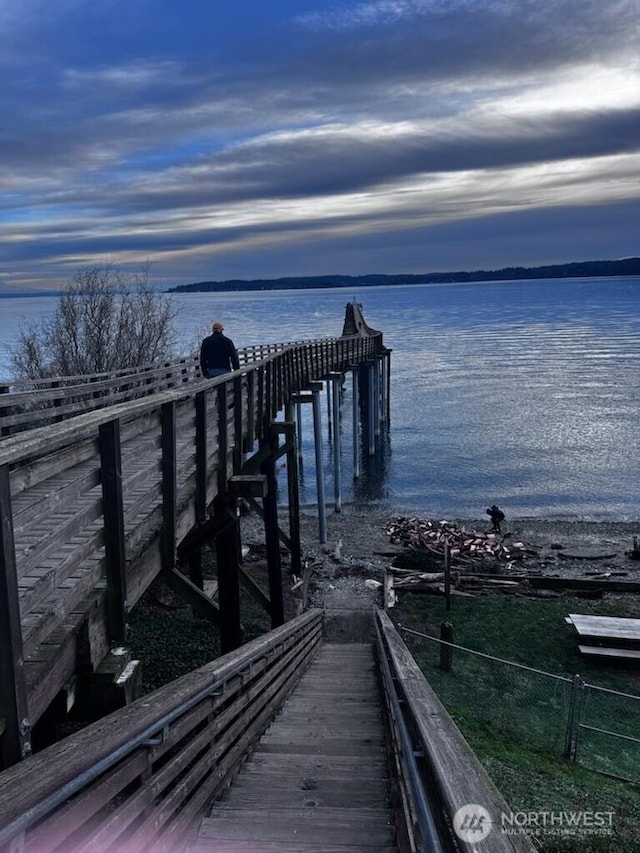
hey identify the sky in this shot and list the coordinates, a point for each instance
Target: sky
(217, 139)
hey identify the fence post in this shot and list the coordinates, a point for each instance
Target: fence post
(447, 573)
(573, 719)
(113, 514)
(446, 652)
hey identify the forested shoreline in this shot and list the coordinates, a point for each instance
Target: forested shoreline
(583, 269)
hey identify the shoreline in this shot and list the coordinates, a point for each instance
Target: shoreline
(358, 543)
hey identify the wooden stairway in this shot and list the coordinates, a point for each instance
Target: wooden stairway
(318, 781)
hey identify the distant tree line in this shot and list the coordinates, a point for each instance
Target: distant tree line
(583, 269)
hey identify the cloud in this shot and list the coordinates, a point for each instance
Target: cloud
(359, 122)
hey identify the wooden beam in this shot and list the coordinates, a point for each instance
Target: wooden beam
(198, 600)
(260, 510)
(15, 742)
(248, 486)
(169, 485)
(201, 534)
(288, 429)
(223, 438)
(113, 513)
(255, 590)
(227, 557)
(272, 535)
(252, 465)
(201, 456)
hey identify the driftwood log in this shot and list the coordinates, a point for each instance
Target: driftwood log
(466, 548)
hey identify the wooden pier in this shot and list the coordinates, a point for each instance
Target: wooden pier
(297, 740)
(127, 479)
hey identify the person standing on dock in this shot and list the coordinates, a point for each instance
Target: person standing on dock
(218, 354)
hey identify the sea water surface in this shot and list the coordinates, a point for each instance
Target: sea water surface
(524, 393)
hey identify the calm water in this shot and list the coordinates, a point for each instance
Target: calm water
(524, 394)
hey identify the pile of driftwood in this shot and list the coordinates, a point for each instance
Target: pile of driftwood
(440, 558)
(455, 561)
(465, 548)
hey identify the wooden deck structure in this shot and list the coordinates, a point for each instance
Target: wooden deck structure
(288, 742)
(129, 477)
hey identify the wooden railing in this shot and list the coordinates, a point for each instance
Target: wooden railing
(137, 779)
(438, 773)
(101, 501)
(25, 404)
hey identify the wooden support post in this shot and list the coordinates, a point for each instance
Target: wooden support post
(388, 398)
(271, 531)
(266, 409)
(377, 387)
(223, 438)
(336, 380)
(15, 730)
(299, 433)
(251, 411)
(371, 408)
(228, 574)
(113, 514)
(238, 409)
(289, 431)
(201, 456)
(169, 485)
(317, 436)
(356, 423)
(260, 406)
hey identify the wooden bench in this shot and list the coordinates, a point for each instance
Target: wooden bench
(608, 652)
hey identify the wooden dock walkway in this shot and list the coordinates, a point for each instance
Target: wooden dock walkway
(114, 482)
(298, 790)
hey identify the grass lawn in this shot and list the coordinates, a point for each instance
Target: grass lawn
(516, 720)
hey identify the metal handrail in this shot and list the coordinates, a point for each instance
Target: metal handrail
(430, 837)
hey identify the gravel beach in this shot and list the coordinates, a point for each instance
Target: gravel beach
(358, 548)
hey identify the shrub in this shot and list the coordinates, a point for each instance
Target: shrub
(105, 320)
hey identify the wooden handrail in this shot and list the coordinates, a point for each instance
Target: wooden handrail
(28, 404)
(113, 776)
(454, 776)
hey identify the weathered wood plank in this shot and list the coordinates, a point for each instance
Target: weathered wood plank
(606, 627)
(607, 652)
(302, 826)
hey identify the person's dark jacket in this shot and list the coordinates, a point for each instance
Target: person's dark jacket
(218, 353)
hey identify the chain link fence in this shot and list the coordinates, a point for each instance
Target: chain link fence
(594, 726)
